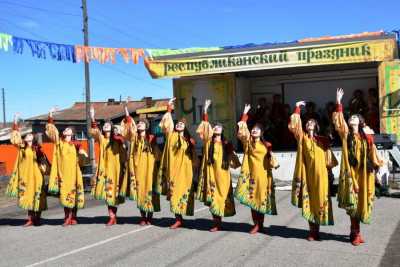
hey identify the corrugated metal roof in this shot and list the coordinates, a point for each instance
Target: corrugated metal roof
(103, 110)
(5, 133)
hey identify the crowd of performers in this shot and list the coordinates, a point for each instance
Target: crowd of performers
(143, 172)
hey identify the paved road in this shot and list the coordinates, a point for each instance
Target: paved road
(128, 244)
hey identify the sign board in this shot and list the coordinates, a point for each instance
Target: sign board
(299, 56)
(389, 97)
(190, 96)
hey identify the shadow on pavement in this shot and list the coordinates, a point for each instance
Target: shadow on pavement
(193, 224)
(163, 222)
(287, 232)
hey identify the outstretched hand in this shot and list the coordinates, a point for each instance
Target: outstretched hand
(300, 103)
(247, 107)
(339, 95)
(52, 111)
(126, 109)
(171, 102)
(91, 111)
(207, 105)
(16, 117)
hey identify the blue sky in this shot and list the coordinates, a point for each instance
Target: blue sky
(34, 85)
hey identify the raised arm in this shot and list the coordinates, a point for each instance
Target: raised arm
(338, 118)
(205, 130)
(94, 130)
(295, 125)
(129, 130)
(15, 134)
(83, 157)
(167, 124)
(51, 129)
(243, 131)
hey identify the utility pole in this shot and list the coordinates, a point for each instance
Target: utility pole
(87, 86)
(4, 107)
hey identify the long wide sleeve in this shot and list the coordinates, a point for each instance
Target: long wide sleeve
(295, 124)
(167, 124)
(339, 121)
(95, 132)
(205, 130)
(16, 138)
(243, 131)
(52, 131)
(129, 128)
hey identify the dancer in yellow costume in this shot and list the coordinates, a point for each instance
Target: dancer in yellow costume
(111, 182)
(310, 189)
(255, 187)
(176, 170)
(215, 184)
(359, 159)
(65, 175)
(144, 158)
(27, 182)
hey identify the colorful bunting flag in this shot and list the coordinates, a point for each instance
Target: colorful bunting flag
(39, 49)
(5, 41)
(105, 54)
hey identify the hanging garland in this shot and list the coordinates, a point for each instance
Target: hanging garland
(39, 49)
(80, 53)
(5, 41)
(72, 53)
(106, 54)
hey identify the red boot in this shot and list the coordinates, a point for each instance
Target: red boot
(112, 213)
(68, 217)
(178, 222)
(217, 224)
(359, 233)
(29, 221)
(256, 227)
(355, 236)
(314, 232)
(74, 220)
(143, 219)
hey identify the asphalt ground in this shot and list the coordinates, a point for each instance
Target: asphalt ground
(127, 244)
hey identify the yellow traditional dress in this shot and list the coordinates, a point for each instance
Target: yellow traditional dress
(27, 181)
(65, 175)
(111, 182)
(143, 162)
(313, 158)
(356, 190)
(176, 169)
(215, 184)
(255, 187)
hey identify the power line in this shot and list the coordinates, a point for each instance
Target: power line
(130, 75)
(40, 9)
(116, 29)
(53, 25)
(23, 29)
